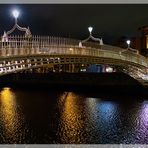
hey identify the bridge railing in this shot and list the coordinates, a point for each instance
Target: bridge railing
(37, 41)
(74, 50)
(45, 41)
(19, 45)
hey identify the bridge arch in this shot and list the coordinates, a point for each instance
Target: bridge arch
(17, 63)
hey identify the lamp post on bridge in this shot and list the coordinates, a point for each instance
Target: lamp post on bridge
(90, 29)
(128, 44)
(15, 14)
(128, 48)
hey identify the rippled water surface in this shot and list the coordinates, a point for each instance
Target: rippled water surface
(45, 116)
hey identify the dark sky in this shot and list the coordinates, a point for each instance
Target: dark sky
(110, 21)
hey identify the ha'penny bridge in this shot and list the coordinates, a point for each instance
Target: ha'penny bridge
(27, 52)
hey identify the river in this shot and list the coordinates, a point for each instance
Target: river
(47, 116)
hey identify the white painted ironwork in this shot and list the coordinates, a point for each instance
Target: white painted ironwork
(27, 31)
(90, 29)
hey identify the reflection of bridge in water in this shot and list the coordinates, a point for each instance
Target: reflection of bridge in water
(22, 53)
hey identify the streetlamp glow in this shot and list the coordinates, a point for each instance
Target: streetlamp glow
(15, 14)
(90, 29)
(128, 43)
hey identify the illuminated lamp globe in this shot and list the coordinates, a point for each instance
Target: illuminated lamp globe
(15, 14)
(90, 29)
(128, 42)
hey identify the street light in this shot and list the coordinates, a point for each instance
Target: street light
(15, 14)
(128, 43)
(90, 29)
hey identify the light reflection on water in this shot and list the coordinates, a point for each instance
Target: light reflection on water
(142, 125)
(144, 114)
(71, 121)
(9, 116)
(102, 115)
(66, 117)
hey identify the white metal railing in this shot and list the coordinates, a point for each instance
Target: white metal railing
(45, 41)
(19, 46)
(37, 41)
(132, 57)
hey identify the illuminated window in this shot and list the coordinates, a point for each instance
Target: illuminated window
(147, 42)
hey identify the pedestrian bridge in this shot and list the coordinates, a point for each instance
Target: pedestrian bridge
(20, 53)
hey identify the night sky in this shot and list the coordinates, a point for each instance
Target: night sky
(110, 21)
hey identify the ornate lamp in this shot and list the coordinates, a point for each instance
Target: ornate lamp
(90, 29)
(15, 14)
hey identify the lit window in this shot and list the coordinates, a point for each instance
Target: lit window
(147, 42)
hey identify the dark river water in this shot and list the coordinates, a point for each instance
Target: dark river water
(47, 116)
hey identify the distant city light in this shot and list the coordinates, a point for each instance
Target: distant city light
(90, 29)
(109, 69)
(15, 13)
